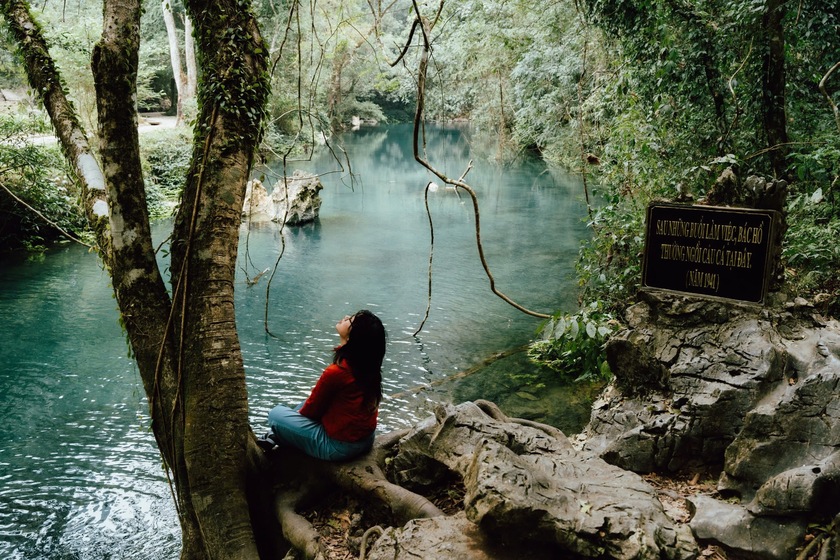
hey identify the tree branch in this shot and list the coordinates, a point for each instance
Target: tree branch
(426, 28)
(834, 108)
(44, 78)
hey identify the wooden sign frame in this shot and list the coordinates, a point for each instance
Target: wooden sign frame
(710, 251)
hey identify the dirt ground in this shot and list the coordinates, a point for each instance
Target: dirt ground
(153, 121)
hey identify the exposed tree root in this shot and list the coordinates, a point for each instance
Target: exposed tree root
(302, 480)
(305, 479)
(493, 411)
(298, 531)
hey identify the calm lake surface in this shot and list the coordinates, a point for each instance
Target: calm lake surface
(80, 476)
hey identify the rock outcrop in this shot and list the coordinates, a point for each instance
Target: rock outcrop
(293, 201)
(749, 391)
(526, 486)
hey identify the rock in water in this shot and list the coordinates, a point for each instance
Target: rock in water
(294, 200)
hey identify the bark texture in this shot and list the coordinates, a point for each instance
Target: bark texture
(773, 86)
(187, 349)
(211, 389)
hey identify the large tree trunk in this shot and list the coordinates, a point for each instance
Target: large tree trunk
(217, 435)
(187, 349)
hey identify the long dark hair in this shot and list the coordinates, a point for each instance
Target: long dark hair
(364, 352)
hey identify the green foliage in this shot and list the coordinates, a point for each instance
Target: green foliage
(37, 176)
(15, 126)
(609, 267)
(71, 32)
(11, 73)
(682, 103)
(155, 81)
(573, 345)
(811, 251)
(233, 71)
(365, 110)
(166, 158)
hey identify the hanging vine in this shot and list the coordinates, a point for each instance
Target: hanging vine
(426, 26)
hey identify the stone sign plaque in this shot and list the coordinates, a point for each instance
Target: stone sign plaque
(708, 250)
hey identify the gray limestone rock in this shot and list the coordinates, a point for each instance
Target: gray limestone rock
(732, 526)
(752, 391)
(453, 537)
(707, 365)
(293, 201)
(786, 459)
(530, 485)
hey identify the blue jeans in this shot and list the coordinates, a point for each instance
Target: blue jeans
(292, 428)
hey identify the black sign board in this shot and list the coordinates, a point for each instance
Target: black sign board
(708, 250)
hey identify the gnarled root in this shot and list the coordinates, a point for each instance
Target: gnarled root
(304, 477)
(298, 531)
(493, 411)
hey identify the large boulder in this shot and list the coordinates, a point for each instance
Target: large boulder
(526, 485)
(749, 391)
(687, 371)
(786, 458)
(734, 527)
(294, 200)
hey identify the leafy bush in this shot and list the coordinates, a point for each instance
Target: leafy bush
(34, 181)
(166, 159)
(609, 264)
(810, 251)
(15, 126)
(573, 345)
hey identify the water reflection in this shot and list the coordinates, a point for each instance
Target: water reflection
(80, 476)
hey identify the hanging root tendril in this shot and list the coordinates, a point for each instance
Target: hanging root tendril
(426, 27)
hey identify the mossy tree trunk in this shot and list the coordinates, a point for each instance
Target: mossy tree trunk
(186, 345)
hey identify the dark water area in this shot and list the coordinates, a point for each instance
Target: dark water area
(80, 476)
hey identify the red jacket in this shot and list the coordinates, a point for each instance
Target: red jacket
(337, 402)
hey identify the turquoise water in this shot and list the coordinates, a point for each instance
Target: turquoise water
(80, 477)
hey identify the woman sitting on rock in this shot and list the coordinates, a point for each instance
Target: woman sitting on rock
(338, 420)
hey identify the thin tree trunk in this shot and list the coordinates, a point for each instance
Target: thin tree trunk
(773, 90)
(189, 58)
(141, 294)
(44, 79)
(174, 58)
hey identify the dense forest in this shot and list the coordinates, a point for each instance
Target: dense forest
(644, 99)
